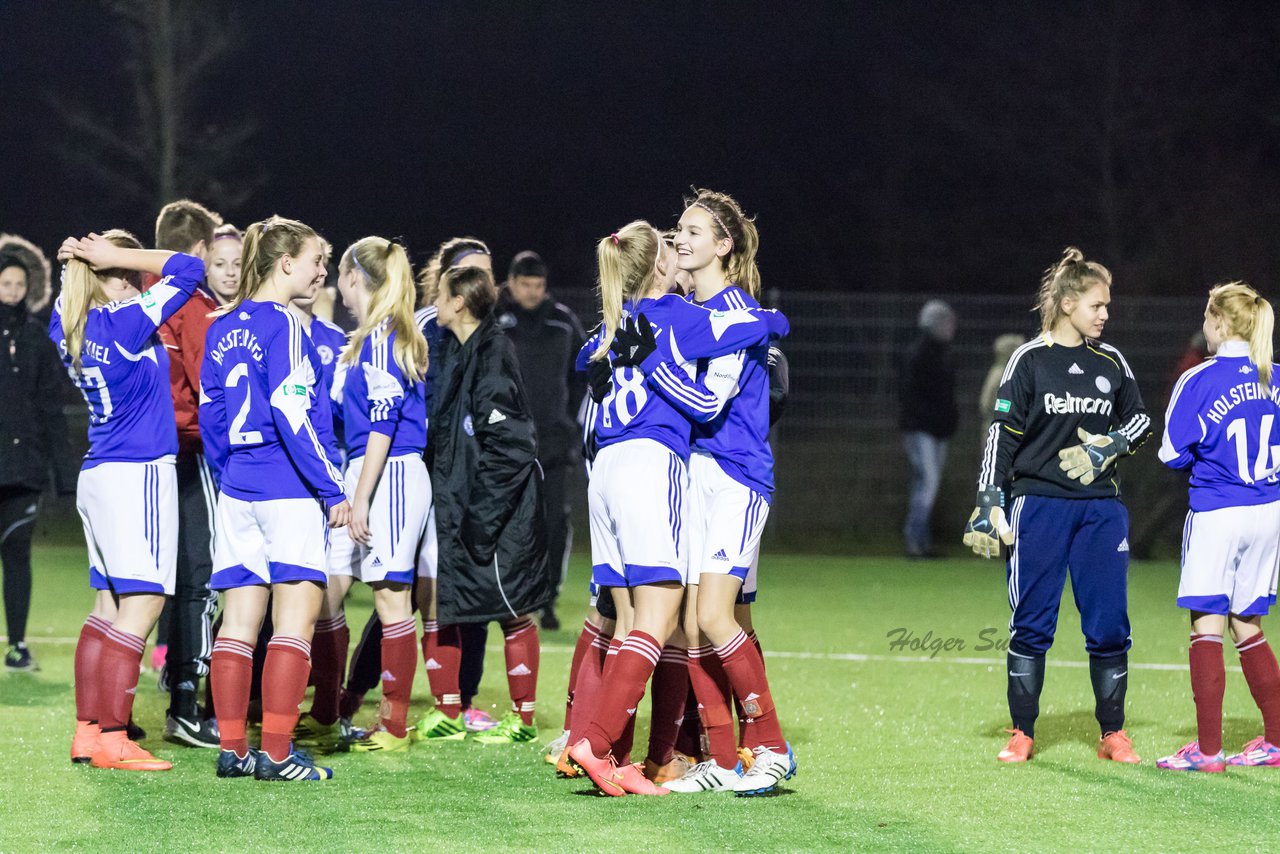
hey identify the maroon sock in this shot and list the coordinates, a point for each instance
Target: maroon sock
(119, 663)
(1208, 683)
(284, 682)
(621, 749)
(399, 661)
(710, 686)
(585, 638)
(88, 672)
(689, 735)
(442, 659)
(350, 704)
(328, 663)
(586, 692)
(1263, 675)
(745, 669)
(624, 681)
(670, 691)
(521, 649)
(230, 672)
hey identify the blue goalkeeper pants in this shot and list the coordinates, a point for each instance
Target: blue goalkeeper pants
(1087, 537)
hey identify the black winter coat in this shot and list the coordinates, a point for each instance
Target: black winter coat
(482, 453)
(928, 390)
(33, 387)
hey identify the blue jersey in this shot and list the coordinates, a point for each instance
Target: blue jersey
(377, 397)
(259, 401)
(1221, 424)
(426, 319)
(684, 332)
(124, 370)
(328, 339)
(728, 402)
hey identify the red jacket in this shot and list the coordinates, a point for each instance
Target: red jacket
(183, 336)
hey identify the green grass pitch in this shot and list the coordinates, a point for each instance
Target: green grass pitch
(896, 746)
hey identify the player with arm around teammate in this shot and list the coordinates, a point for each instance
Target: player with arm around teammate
(1221, 425)
(1068, 408)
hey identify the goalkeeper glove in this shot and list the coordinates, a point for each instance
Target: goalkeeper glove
(1087, 461)
(987, 527)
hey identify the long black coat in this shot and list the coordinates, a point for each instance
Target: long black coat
(33, 386)
(482, 453)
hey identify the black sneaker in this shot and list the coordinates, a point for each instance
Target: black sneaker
(230, 765)
(18, 659)
(297, 766)
(193, 731)
(135, 732)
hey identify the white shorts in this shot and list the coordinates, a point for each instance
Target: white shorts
(344, 557)
(429, 548)
(130, 517)
(1229, 560)
(397, 516)
(726, 520)
(636, 504)
(747, 593)
(269, 542)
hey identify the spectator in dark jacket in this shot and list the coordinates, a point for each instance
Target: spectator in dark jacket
(929, 418)
(547, 337)
(33, 434)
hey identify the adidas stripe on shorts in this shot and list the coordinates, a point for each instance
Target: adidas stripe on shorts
(397, 517)
(1229, 560)
(726, 520)
(635, 501)
(269, 542)
(130, 516)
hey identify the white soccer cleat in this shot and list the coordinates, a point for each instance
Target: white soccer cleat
(706, 777)
(557, 747)
(766, 772)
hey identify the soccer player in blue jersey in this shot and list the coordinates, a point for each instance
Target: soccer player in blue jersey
(639, 477)
(107, 336)
(1067, 409)
(280, 492)
(1221, 425)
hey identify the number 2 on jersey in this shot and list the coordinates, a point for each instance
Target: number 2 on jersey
(1268, 455)
(237, 434)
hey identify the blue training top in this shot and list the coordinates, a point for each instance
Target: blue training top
(124, 369)
(329, 339)
(1222, 425)
(377, 397)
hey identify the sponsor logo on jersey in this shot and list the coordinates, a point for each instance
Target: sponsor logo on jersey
(1103, 384)
(1072, 405)
(1074, 369)
(293, 389)
(1002, 406)
(326, 354)
(1124, 545)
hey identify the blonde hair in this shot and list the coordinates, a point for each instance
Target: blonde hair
(384, 268)
(444, 258)
(628, 261)
(1246, 315)
(1069, 278)
(265, 243)
(731, 222)
(82, 291)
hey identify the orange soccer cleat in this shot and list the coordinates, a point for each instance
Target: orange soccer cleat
(115, 750)
(84, 743)
(603, 772)
(565, 767)
(673, 770)
(1018, 749)
(1117, 747)
(634, 782)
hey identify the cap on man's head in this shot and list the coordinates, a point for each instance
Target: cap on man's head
(527, 263)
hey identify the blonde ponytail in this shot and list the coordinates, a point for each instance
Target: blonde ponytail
(82, 291)
(628, 261)
(1070, 277)
(384, 268)
(1248, 316)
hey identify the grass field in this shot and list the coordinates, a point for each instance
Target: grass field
(896, 746)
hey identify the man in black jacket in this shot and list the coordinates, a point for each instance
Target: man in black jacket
(547, 336)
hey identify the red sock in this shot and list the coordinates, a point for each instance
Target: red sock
(442, 658)
(670, 691)
(1208, 683)
(624, 681)
(284, 682)
(118, 664)
(521, 649)
(399, 661)
(745, 669)
(710, 687)
(88, 658)
(621, 749)
(1263, 675)
(328, 663)
(585, 638)
(230, 674)
(586, 690)
(689, 735)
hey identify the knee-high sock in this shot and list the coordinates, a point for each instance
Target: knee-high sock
(624, 682)
(1026, 680)
(119, 661)
(399, 662)
(87, 667)
(1110, 677)
(669, 693)
(745, 669)
(230, 673)
(689, 735)
(1263, 675)
(284, 682)
(711, 687)
(1208, 684)
(586, 693)
(520, 646)
(585, 638)
(442, 656)
(328, 663)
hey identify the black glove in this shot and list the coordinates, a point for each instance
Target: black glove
(477, 543)
(600, 378)
(633, 342)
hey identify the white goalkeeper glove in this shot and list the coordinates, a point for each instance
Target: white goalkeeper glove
(1087, 461)
(987, 527)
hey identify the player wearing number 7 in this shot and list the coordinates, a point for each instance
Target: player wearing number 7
(1067, 409)
(1221, 425)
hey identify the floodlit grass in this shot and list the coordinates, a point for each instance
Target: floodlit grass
(896, 749)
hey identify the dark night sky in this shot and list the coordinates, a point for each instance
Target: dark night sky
(898, 146)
